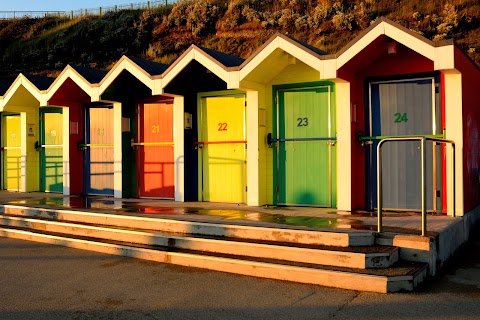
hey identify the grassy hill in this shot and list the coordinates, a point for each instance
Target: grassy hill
(239, 27)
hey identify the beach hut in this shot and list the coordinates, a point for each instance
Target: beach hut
(216, 156)
(404, 85)
(296, 124)
(148, 127)
(62, 143)
(20, 132)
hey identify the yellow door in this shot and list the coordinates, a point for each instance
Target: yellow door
(223, 148)
(12, 142)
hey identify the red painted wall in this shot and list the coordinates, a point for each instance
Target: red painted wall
(76, 155)
(471, 129)
(72, 96)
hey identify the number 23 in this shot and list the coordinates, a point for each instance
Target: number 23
(302, 122)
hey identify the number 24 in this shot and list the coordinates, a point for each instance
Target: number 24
(400, 117)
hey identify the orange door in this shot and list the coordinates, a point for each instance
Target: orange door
(155, 150)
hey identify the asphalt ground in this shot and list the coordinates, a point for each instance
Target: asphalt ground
(40, 281)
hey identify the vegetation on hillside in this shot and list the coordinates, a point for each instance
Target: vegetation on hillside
(239, 27)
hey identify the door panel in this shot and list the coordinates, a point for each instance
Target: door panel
(99, 162)
(155, 150)
(305, 155)
(401, 109)
(223, 152)
(12, 160)
(52, 151)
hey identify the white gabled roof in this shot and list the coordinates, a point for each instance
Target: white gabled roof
(21, 81)
(125, 63)
(441, 53)
(206, 59)
(69, 72)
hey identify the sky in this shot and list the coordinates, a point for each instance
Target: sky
(59, 5)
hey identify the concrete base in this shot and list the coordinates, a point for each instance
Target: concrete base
(312, 255)
(329, 278)
(331, 237)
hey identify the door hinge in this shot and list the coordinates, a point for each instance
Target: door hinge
(276, 189)
(246, 189)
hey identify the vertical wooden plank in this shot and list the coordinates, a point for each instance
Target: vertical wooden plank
(66, 152)
(179, 148)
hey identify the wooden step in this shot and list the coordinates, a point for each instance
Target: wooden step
(285, 234)
(361, 259)
(404, 277)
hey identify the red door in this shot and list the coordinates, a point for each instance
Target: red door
(155, 150)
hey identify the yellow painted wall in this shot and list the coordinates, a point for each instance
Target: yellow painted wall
(264, 174)
(295, 73)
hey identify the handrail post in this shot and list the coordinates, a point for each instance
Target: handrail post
(379, 187)
(423, 159)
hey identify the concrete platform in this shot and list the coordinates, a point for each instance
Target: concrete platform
(285, 217)
(295, 225)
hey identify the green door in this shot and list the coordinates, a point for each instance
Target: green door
(51, 160)
(305, 147)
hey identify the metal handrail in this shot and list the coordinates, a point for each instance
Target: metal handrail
(271, 141)
(422, 140)
(84, 145)
(165, 143)
(372, 138)
(301, 139)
